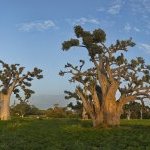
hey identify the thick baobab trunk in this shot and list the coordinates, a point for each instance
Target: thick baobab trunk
(107, 117)
(112, 118)
(112, 113)
(5, 108)
(98, 119)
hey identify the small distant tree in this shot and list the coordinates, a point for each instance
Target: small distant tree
(110, 72)
(13, 80)
(21, 109)
(24, 109)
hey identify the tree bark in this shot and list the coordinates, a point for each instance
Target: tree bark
(84, 114)
(128, 115)
(106, 113)
(5, 108)
(98, 120)
(112, 118)
(141, 113)
(112, 112)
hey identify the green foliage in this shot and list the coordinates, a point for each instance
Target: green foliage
(78, 31)
(135, 109)
(73, 134)
(77, 108)
(13, 79)
(89, 40)
(70, 95)
(24, 109)
(59, 112)
(99, 36)
(68, 44)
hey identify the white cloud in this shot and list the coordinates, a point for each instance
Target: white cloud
(139, 6)
(114, 9)
(136, 29)
(127, 27)
(101, 9)
(145, 46)
(36, 25)
(84, 20)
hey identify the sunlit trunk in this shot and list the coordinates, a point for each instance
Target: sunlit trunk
(98, 120)
(5, 108)
(108, 115)
(84, 114)
(112, 113)
(112, 118)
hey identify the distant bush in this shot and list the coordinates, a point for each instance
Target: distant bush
(24, 109)
(60, 112)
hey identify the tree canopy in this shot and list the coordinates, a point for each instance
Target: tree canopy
(13, 78)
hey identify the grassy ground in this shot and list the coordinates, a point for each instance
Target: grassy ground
(72, 134)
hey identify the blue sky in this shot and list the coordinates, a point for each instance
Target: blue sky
(31, 32)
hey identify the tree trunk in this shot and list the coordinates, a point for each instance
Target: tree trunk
(141, 112)
(128, 115)
(112, 118)
(107, 118)
(5, 108)
(108, 115)
(84, 114)
(98, 120)
(0, 106)
(112, 113)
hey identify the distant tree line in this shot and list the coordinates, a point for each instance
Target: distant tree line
(133, 110)
(25, 109)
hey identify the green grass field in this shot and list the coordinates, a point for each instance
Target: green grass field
(73, 134)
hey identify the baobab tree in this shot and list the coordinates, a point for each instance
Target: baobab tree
(23, 107)
(13, 80)
(110, 73)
